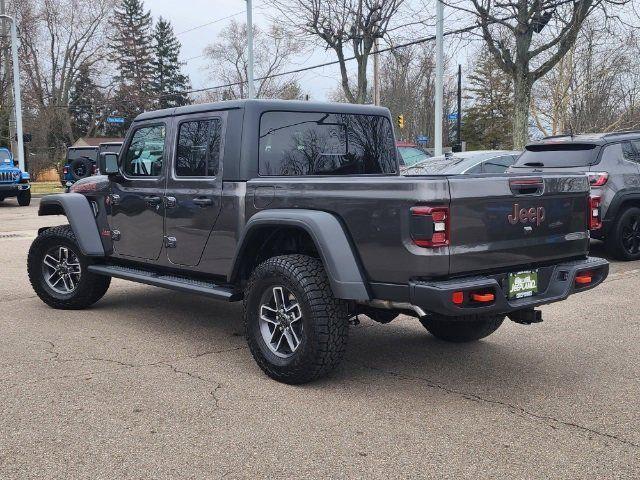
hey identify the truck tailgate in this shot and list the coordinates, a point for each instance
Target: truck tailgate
(511, 221)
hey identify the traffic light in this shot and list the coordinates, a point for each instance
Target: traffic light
(401, 121)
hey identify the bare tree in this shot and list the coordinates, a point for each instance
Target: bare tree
(344, 26)
(528, 38)
(273, 51)
(595, 87)
(58, 38)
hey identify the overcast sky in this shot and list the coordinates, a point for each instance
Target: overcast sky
(188, 14)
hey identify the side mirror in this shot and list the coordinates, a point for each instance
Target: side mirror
(108, 163)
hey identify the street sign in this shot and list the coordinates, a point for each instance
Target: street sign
(452, 117)
(422, 139)
(115, 119)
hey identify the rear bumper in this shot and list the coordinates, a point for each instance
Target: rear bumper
(556, 283)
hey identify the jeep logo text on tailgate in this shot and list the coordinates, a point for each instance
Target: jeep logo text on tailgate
(533, 215)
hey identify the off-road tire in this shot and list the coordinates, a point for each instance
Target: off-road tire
(91, 287)
(614, 242)
(24, 198)
(463, 329)
(84, 162)
(324, 317)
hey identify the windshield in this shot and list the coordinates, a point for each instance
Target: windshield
(409, 156)
(558, 155)
(112, 148)
(5, 156)
(74, 153)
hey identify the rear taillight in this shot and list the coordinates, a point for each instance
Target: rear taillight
(430, 226)
(94, 169)
(65, 170)
(595, 222)
(598, 179)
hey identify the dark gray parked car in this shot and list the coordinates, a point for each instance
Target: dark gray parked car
(612, 162)
(297, 209)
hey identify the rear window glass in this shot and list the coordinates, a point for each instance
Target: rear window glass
(90, 153)
(558, 155)
(110, 148)
(303, 143)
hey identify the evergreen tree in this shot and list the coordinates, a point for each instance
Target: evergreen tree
(132, 47)
(168, 83)
(85, 104)
(488, 121)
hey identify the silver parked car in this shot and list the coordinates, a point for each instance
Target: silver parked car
(480, 161)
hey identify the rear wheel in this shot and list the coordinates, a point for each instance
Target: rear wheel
(296, 329)
(464, 329)
(24, 198)
(58, 271)
(623, 241)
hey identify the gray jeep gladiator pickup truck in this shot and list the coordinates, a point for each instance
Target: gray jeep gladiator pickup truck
(298, 210)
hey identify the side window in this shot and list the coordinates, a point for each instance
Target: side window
(618, 152)
(198, 152)
(145, 155)
(636, 148)
(293, 144)
(475, 169)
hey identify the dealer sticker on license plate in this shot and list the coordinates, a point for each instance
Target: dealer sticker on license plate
(523, 284)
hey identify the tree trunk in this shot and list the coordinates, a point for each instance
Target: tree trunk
(521, 102)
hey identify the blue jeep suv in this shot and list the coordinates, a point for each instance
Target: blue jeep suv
(13, 181)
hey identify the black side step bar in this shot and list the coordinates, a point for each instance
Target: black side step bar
(164, 280)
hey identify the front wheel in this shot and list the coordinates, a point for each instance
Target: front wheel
(464, 329)
(58, 271)
(24, 198)
(296, 329)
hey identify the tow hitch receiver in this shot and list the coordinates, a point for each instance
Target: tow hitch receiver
(526, 316)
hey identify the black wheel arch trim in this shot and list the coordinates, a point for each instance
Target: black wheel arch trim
(618, 200)
(78, 211)
(336, 251)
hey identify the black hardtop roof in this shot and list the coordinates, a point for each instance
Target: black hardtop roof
(87, 147)
(259, 106)
(601, 138)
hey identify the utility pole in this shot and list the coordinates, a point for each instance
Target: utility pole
(437, 136)
(459, 117)
(376, 73)
(251, 89)
(16, 90)
(7, 68)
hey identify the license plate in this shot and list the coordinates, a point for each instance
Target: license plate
(523, 284)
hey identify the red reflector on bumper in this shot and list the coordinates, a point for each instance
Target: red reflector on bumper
(482, 297)
(457, 298)
(583, 279)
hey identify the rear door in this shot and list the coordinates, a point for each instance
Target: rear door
(194, 186)
(506, 221)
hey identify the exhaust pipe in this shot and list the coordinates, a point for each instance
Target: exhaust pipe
(389, 305)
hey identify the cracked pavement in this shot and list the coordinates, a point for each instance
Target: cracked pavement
(154, 384)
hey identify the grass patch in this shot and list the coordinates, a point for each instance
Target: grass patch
(46, 187)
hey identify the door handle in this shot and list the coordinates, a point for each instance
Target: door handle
(152, 200)
(203, 201)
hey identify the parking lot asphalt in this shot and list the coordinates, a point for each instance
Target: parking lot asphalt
(153, 384)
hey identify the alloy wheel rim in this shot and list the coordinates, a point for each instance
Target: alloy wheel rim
(61, 270)
(280, 322)
(631, 235)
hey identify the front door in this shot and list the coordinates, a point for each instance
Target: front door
(194, 187)
(137, 207)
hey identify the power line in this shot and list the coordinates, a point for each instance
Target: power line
(212, 22)
(457, 31)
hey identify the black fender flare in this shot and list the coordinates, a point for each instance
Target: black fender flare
(336, 252)
(78, 211)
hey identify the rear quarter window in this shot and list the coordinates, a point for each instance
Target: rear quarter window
(305, 143)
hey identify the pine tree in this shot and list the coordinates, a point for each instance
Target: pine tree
(168, 83)
(488, 121)
(132, 47)
(85, 104)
